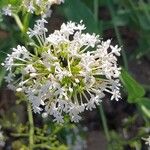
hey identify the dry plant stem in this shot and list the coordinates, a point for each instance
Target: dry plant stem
(31, 127)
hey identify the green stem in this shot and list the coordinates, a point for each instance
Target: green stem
(26, 20)
(19, 134)
(96, 10)
(102, 114)
(23, 27)
(145, 9)
(18, 21)
(104, 122)
(121, 44)
(43, 146)
(119, 39)
(127, 11)
(31, 127)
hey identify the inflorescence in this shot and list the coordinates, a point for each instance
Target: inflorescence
(66, 72)
(38, 7)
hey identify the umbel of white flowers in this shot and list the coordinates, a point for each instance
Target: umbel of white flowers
(67, 73)
(39, 7)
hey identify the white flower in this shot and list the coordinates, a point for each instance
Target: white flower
(39, 31)
(38, 7)
(11, 87)
(9, 77)
(116, 50)
(63, 77)
(38, 2)
(47, 13)
(75, 118)
(20, 53)
(7, 10)
(93, 102)
(115, 95)
(29, 69)
(68, 29)
(56, 38)
(31, 8)
(56, 1)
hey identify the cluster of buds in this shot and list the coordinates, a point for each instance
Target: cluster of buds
(39, 7)
(66, 72)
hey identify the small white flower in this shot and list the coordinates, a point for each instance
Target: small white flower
(116, 50)
(56, 1)
(11, 87)
(38, 7)
(37, 109)
(77, 80)
(68, 29)
(29, 69)
(39, 31)
(47, 13)
(9, 77)
(31, 8)
(38, 2)
(115, 95)
(93, 102)
(7, 10)
(75, 118)
(19, 89)
(44, 115)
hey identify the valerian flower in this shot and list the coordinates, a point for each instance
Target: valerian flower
(38, 7)
(7, 10)
(68, 72)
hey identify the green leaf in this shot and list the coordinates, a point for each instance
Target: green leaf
(15, 2)
(134, 89)
(76, 10)
(88, 3)
(144, 104)
(12, 2)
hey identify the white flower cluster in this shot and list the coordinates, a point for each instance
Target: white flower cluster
(39, 7)
(68, 72)
(7, 10)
